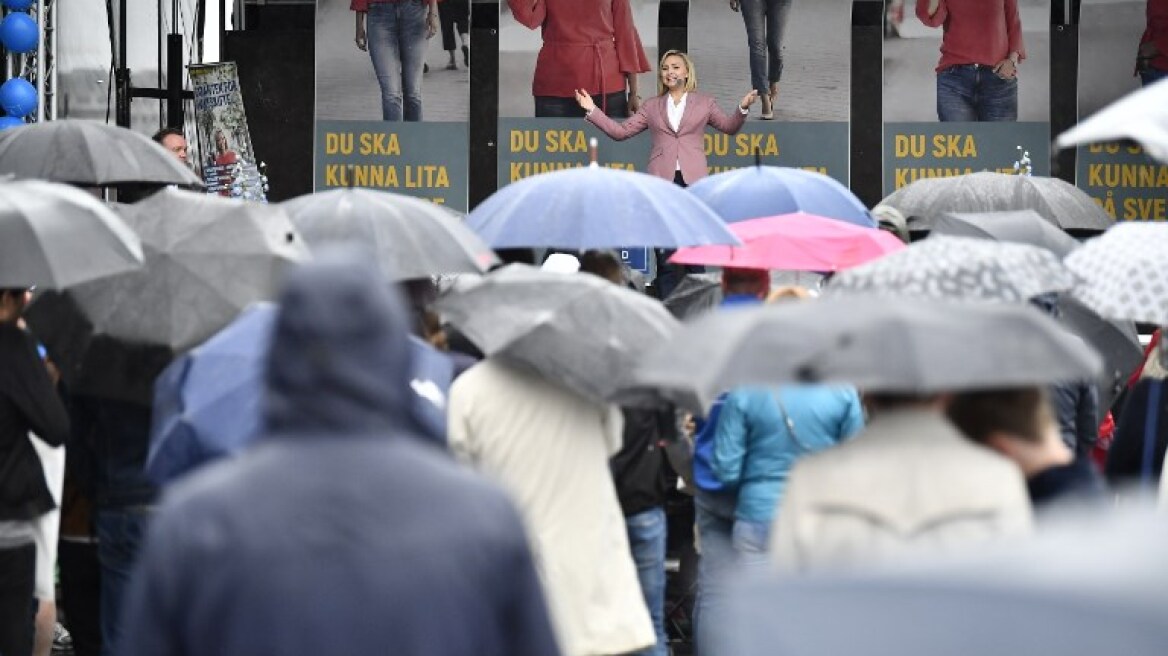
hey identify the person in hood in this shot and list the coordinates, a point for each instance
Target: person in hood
(343, 531)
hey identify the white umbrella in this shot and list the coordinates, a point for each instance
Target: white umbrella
(1125, 273)
(1141, 116)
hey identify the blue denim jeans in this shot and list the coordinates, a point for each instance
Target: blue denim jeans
(715, 522)
(975, 93)
(765, 21)
(751, 542)
(615, 105)
(1151, 76)
(647, 542)
(396, 33)
(120, 534)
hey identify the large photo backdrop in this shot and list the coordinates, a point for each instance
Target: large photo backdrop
(393, 97)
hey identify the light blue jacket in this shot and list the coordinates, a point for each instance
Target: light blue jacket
(754, 448)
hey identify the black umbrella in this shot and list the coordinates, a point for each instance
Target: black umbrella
(695, 294)
(1021, 226)
(89, 153)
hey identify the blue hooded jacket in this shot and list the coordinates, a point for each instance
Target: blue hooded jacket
(343, 531)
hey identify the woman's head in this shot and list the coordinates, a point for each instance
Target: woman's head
(676, 70)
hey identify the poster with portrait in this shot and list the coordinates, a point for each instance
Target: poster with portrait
(966, 88)
(393, 97)
(800, 51)
(1122, 45)
(228, 165)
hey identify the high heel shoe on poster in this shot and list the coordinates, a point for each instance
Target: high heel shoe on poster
(768, 109)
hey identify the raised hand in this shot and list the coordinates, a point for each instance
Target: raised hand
(748, 100)
(584, 99)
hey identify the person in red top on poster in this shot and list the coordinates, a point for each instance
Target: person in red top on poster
(1152, 58)
(587, 44)
(977, 77)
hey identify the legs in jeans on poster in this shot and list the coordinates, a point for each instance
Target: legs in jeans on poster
(765, 22)
(647, 535)
(120, 533)
(454, 15)
(975, 93)
(397, 46)
(615, 104)
(17, 580)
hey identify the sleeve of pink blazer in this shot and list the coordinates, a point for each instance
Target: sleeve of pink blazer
(730, 124)
(620, 131)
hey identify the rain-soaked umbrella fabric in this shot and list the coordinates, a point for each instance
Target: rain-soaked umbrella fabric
(576, 330)
(89, 153)
(1021, 227)
(413, 238)
(208, 403)
(1116, 340)
(1061, 203)
(1140, 116)
(756, 191)
(907, 345)
(207, 258)
(959, 268)
(53, 236)
(595, 208)
(1125, 273)
(795, 242)
(695, 294)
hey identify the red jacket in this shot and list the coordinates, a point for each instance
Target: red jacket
(587, 44)
(976, 31)
(1157, 32)
(686, 146)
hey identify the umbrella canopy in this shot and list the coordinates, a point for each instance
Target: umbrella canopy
(907, 345)
(207, 258)
(757, 191)
(1141, 116)
(695, 294)
(576, 330)
(959, 268)
(54, 236)
(794, 242)
(1021, 226)
(1125, 272)
(413, 238)
(1117, 341)
(208, 403)
(89, 153)
(1061, 203)
(592, 208)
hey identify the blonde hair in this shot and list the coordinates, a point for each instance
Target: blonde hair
(789, 293)
(691, 79)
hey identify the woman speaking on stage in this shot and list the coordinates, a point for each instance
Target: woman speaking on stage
(677, 118)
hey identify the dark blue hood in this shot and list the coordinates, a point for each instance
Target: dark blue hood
(340, 360)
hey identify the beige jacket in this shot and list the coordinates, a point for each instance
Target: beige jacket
(909, 483)
(550, 449)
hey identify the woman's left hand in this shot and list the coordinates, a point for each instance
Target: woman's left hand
(432, 22)
(748, 100)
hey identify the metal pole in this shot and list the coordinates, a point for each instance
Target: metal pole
(174, 80)
(122, 75)
(222, 27)
(53, 107)
(40, 61)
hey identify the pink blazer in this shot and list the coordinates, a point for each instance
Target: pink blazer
(685, 145)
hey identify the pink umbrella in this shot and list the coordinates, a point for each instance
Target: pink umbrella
(794, 242)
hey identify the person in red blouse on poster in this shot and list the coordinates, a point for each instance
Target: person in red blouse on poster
(977, 77)
(587, 44)
(1152, 58)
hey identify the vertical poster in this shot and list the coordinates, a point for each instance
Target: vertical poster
(966, 88)
(1122, 44)
(393, 97)
(228, 165)
(800, 50)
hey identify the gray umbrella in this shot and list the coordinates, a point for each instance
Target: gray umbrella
(1126, 272)
(413, 238)
(53, 236)
(695, 294)
(89, 153)
(1021, 226)
(207, 258)
(912, 345)
(1116, 340)
(959, 268)
(1061, 203)
(577, 330)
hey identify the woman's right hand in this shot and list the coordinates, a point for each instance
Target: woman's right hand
(362, 43)
(585, 100)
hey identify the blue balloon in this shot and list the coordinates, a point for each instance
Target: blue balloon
(10, 122)
(19, 32)
(18, 97)
(18, 5)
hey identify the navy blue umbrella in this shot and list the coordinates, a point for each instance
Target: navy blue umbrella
(757, 191)
(593, 208)
(207, 403)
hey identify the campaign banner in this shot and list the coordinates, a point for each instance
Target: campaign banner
(531, 146)
(1123, 180)
(228, 164)
(914, 151)
(427, 160)
(813, 146)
